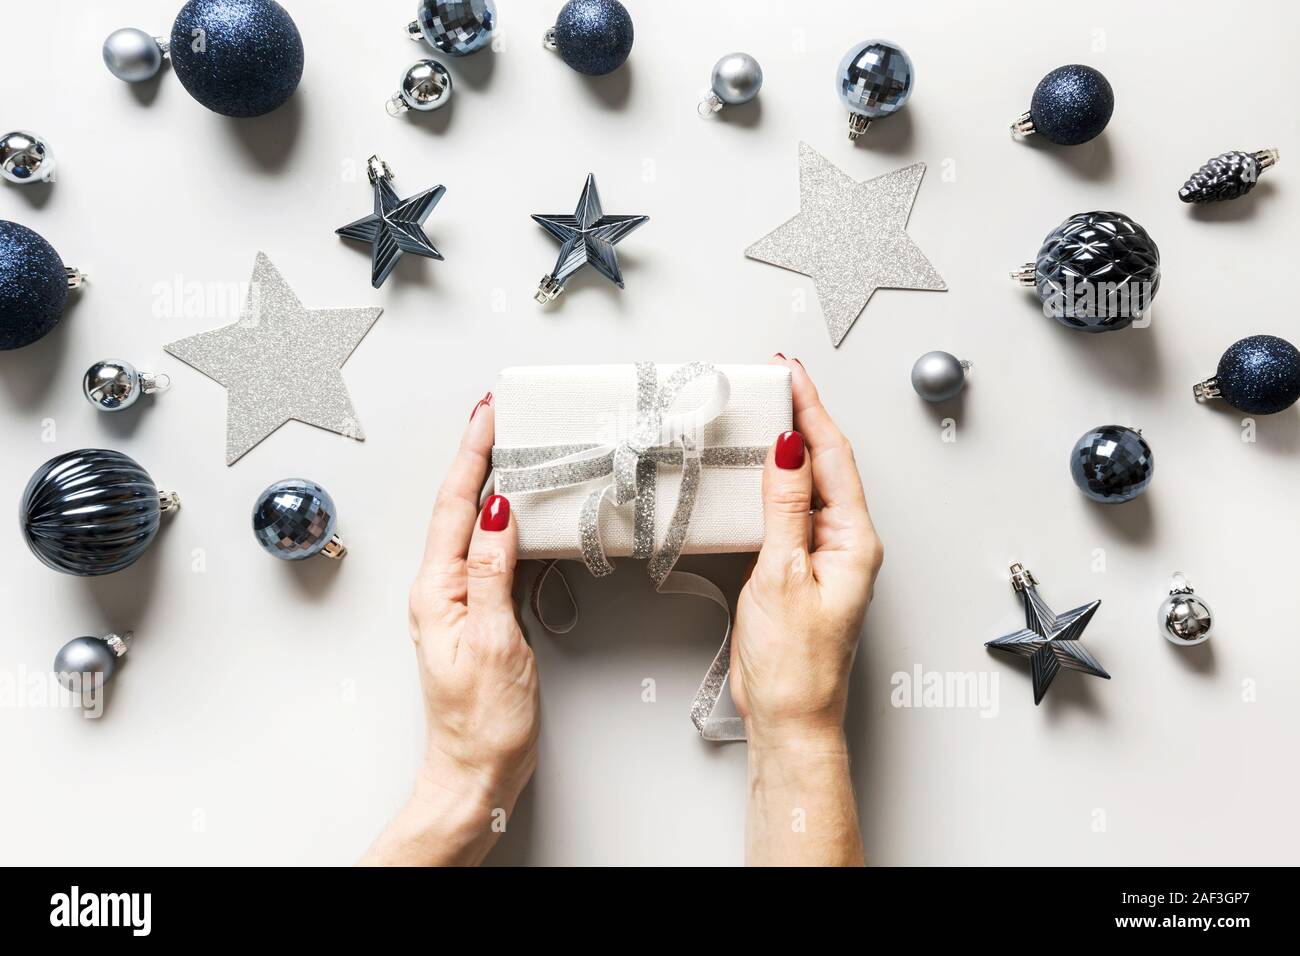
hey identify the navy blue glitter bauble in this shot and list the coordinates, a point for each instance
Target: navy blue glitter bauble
(90, 512)
(294, 519)
(594, 36)
(33, 286)
(1071, 105)
(1111, 464)
(237, 57)
(1260, 375)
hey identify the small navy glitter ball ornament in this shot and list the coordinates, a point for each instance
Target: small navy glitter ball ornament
(1112, 464)
(455, 27)
(1259, 375)
(295, 519)
(1095, 272)
(34, 285)
(1071, 105)
(874, 80)
(237, 57)
(592, 36)
(92, 512)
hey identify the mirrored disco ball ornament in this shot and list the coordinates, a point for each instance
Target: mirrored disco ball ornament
(1183, 617)
(134, 56)
(1259, 374)
(25, 158)
(1095, 272)
(736, 79)
(593, 37)
(874, 80)
(295, 519)
(112, 385)
(426, 86)
(88, 663)
(92, 511)
(1070, 105)
(1112, 464)
(454, 27)
(34, 286)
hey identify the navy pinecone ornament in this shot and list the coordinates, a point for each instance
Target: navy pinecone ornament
(1227, 176)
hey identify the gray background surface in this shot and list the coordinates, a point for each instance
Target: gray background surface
(269, 713)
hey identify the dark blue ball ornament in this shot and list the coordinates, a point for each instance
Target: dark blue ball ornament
(237, 57)
(295, 518)
(1259, 375)
(592, 36)
(1071, 105)
(1112, 464)
(33, 286)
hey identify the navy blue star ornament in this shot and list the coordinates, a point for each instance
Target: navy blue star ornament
(1049, 640)
(396, 226)
(588, 236)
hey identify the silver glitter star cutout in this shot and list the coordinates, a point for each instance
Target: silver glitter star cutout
(280, 361)
(850, 237)
(396, 226)
(1049, 640)
(588, 236)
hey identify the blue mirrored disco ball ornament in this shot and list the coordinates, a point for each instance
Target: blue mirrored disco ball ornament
(92, 511)
(237, 57)
(295, 519)
(1112, 464)
(25, 158)
(1070, 105)
(1095, 272)
(454, 27)
(34, 286)
(874, 80)
(1259, 375)
(592, 36)
(88, 663)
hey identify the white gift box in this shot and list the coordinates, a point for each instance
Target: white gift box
(597, 405)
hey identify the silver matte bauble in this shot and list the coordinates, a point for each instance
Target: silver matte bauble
(426, 85)
(88, 663)
(112, 385)
(25, 158)
(1183, 617)
(133, 55)
(938, 376)
(737, 78)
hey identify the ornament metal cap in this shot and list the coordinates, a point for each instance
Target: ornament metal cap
(334, 548)
(413, 31)
(1204, 391)
(168, 501)
(858, 124)
(548, 290)
(1022, 578)
(377, 169)
(548, 39)
(119, 643)
(76, 278)
(711, 103)
(1023, 126)
(1026, 275)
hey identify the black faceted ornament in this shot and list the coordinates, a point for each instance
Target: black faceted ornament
(1095, 272)
(1259, 375)
(91, 512)
(1112, 464)
(295, 519)
(1227, 176)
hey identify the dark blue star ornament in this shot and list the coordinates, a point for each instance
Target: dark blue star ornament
(1049, 640)
(396, 226)
(588, 236)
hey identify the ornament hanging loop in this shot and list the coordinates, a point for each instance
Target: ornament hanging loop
(1179, 584)
(150, 383)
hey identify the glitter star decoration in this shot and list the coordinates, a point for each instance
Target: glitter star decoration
(396, 226)
(280, 361)
(588, 236)
(850, 238)
(1049, 640)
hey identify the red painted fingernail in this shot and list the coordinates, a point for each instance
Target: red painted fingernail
(789, 451)
(485, 400)
(496, 513)
(779, 355)
(800, 363)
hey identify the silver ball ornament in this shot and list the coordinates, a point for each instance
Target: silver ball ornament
(112, 385)
(736, 79)
(88, 663)
(426, 86)
(133, 55)
(1184, 618)
(25, 158)
(938, 376)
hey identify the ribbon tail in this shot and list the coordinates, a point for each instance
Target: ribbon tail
(715, 679)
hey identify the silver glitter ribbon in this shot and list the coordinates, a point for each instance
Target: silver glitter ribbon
(661, 435)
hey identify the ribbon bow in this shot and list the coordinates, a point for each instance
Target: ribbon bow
(661, 435)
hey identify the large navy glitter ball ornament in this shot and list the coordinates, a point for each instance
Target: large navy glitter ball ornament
(1112, 464)
(237, 57)
(592, 36)
(1071, 105)
(1259, 375)
(1096, 272)
(455, 27)
(295, 519)
(91, 512)
(33, 286)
